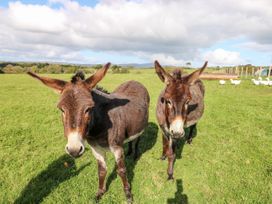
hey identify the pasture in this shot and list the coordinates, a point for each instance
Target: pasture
(229, 161)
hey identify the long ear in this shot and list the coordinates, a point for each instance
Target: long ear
(95, 78)
(163, 75)
(56, 84)
(191, 78)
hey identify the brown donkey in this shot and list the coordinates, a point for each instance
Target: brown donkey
(180, 105)
(106, 121)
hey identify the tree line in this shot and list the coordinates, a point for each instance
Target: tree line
(22, 67)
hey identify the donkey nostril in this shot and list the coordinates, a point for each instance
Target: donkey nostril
(67, 148)
(80, 150)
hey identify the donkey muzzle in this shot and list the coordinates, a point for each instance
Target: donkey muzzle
(75, 146)
(176, 129)
(75, 152)
(178, 135)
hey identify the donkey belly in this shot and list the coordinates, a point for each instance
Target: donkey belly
(134, 115)
(133, 137)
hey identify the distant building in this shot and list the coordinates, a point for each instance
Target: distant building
(263, 72)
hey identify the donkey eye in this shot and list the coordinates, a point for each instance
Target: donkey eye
(61, 110)
(87, 110)
(169, 103)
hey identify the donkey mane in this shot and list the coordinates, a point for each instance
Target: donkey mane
(177, 74)
(100, 88)
(79, 76)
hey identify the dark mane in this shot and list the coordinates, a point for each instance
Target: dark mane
(176, 74)
(79, 76)
(100, 88)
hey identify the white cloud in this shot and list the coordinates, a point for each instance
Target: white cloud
(166, 59)
(35, 18)
(223, 57)
(171, 30)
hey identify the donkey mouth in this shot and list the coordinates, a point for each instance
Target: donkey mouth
(75, 153)
(178, 135)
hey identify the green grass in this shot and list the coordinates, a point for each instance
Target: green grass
(230, 160)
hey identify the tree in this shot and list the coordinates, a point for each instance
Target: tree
(188, 64)
(97, 66)
(115, 68)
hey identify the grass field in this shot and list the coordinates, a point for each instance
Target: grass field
(230, 160)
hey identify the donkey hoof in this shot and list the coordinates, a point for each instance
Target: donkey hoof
(129, 195)
(189, 141)
(129, 200)
(99, 195)
(97, 198)
(129, 153)
(135, 158)
(163, 157)
(170, 177)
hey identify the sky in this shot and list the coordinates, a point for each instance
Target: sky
(174, 32)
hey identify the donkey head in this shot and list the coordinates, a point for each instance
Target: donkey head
(176, 97)
(76, 105)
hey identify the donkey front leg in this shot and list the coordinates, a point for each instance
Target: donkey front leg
(121, 170)
(100, 156)
(191, 132)
(171, 154)
(165, 147)
(130, 148)
(133, 148)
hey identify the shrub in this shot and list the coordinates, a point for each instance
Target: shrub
(9, 69)
(116, 69)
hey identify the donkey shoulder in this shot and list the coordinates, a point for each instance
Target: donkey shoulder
(132, 89)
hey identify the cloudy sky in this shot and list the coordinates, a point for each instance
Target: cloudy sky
(225, 32)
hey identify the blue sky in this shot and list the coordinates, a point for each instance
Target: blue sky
(120, 31)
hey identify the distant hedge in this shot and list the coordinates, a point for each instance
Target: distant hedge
(17, 68)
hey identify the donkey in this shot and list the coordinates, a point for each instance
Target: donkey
(180, 105)
(106, 121)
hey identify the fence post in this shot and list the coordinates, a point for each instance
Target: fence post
(246, 70)
(269, 71)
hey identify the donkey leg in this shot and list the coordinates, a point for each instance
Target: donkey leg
(191, 132)
(100, 156)
(136, 149)
(130, 149)
(165, 147)
(171, 160)
(121, 170)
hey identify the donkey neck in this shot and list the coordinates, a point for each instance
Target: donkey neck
(99, 121)
(107, 107)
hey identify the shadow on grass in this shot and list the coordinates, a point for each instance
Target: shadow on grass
(179, 198)
(180, 143)
(43, 184)
(147, 141)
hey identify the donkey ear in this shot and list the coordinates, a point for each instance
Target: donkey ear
(56, 84)
(163, 75)
(95, 78)
(191, 78)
